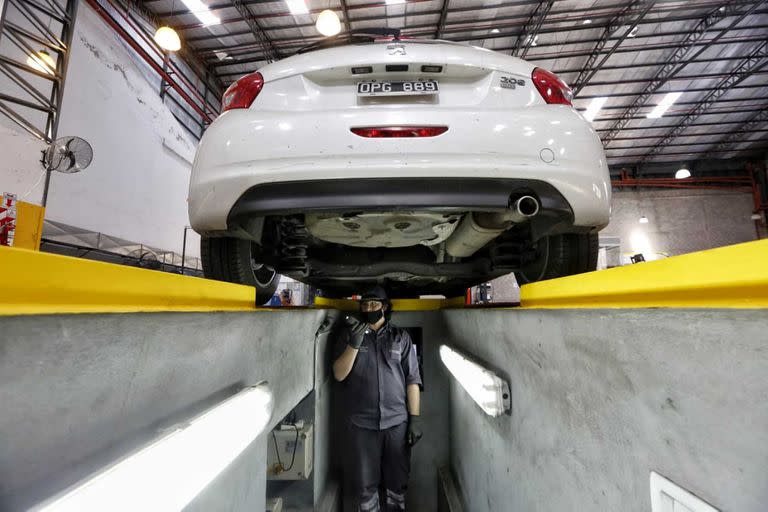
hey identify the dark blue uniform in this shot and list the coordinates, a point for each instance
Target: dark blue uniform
(374, 398)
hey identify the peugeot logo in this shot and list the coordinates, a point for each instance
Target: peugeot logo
(396, 49)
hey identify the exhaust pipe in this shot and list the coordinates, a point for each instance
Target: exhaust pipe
(477, 229)
(524, 208)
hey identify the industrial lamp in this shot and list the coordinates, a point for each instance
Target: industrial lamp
(682, 173)
(42, 61)
(328, 23)
(168, 39)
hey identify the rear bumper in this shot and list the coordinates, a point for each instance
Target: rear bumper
(257, 163)
(398, 194)
(385, 194)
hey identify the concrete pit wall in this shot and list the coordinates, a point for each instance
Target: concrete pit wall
(78, 391)
(600, 398)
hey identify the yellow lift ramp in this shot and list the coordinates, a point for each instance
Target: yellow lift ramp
(614, 390)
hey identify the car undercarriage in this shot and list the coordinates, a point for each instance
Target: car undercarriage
(416, 238)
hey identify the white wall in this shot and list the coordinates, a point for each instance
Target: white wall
(20, 169)
(136, 187)
(679, 221)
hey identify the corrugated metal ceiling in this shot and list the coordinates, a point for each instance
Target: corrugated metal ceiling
(714, 51)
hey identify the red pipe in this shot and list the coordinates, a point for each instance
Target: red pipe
(746, 183)
(147, 58)
(689, 187)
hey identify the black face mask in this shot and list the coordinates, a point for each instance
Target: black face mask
(372, 317)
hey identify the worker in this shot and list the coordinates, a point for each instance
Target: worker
(376, 365)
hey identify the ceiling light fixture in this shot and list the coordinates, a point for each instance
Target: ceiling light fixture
(202, 12)
(394, 2)
(494, 31)
(42, 61)
(168, 39)
(168, 473)
(532, 40)
(297, 6)
(643, 220)
(328, 23)
(587, 22)
(594, 107)
(633, 32)
(682, 173)
(666, 102)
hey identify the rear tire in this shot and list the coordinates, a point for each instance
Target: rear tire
(237, 261)
(561, 255)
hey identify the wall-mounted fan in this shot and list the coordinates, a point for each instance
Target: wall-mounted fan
(68, 155)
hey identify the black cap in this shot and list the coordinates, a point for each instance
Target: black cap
(377, 293)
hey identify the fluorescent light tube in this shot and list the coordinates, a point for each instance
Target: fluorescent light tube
(168, 473)
(489, 391)
(297, 6)
(666, 102)
(201, 11)
(594, 107)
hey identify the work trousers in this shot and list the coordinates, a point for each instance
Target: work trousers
(373, 458)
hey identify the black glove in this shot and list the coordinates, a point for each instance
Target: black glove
(414, 429)
(357, 330)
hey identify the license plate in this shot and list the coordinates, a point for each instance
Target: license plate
(397, 88)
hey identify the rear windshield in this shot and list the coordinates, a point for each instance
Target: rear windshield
(374, 36)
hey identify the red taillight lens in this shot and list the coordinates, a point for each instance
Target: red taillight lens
(399, 131)
(551, 88)
(242, 93)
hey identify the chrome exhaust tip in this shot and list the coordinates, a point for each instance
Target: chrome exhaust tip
(526, 206)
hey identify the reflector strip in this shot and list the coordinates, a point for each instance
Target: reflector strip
(399, 131)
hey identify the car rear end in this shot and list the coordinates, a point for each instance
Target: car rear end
(425, 119)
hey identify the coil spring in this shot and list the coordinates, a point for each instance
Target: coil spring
(294, 241)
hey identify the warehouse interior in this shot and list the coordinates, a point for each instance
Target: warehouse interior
(640, 386)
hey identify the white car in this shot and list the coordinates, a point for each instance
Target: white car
(424, 166)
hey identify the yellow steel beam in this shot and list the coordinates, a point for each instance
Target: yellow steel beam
(39, 283)
(728, 277)
(29, 225)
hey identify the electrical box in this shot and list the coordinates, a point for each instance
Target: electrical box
(289, 452)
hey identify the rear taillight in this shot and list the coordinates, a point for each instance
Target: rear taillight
(242, 93)
(399, 131)
(551, 88)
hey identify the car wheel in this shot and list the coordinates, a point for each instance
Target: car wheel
(561, 255)
(237, 261)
